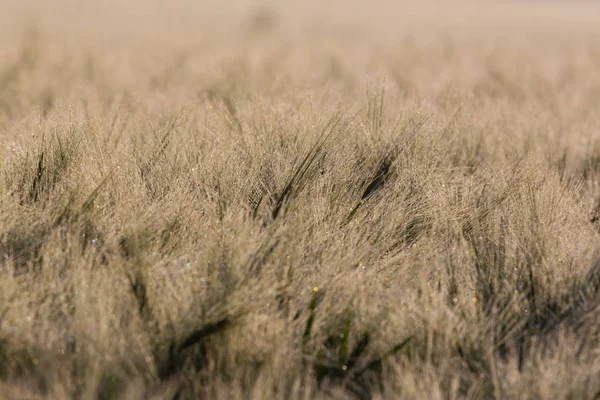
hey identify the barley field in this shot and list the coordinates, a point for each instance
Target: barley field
(299, 200)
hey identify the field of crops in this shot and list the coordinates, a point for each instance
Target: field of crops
(297, 200)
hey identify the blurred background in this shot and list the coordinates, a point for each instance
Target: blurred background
(113, 19)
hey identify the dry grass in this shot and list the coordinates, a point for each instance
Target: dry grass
(304, 202)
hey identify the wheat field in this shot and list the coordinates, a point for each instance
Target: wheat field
(285, 200)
